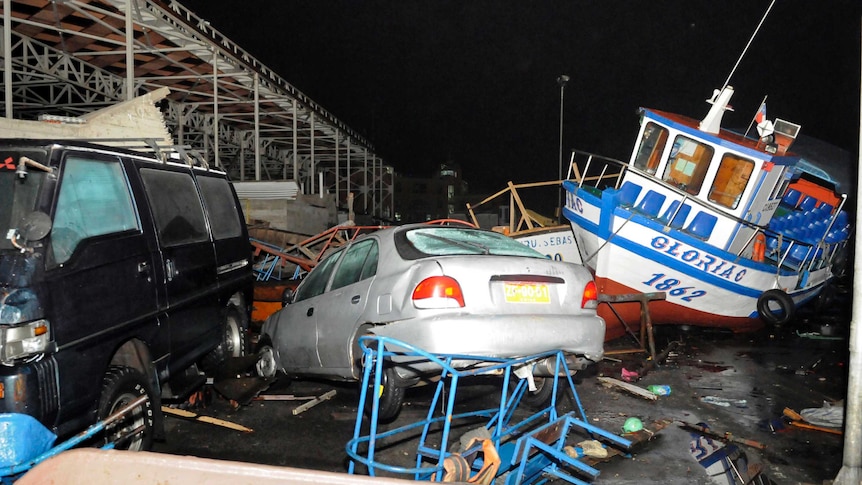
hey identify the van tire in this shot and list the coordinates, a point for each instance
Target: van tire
(391, 396)
(120, 386)
(786, 307)
(234, 342)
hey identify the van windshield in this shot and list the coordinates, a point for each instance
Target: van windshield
(17, 194)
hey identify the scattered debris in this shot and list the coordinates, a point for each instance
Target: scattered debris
(205, 419)
(659, 390)
(724, 402)
(830, 415)
(283, 397)
(314, 402)
(726, 436)
(638, 391)
(797, 420)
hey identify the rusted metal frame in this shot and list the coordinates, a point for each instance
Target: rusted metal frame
(646, 330)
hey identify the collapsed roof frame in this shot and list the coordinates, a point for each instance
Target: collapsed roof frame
(72, 57)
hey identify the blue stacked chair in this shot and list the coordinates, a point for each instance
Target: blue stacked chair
(628, 193)
(702, 225)
(791, 197)
(680, 217)
(651, 203)
(808, 202)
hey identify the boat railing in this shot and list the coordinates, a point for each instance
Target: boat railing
(596, 172)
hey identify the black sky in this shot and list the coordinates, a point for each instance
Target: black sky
(474, 82)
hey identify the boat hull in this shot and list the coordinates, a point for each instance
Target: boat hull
(704, 285)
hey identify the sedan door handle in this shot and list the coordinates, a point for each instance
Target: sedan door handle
(355, 299)
(310, 312)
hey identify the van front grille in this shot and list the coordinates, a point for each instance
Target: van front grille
(46, 371)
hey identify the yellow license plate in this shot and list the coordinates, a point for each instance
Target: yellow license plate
(527, 293)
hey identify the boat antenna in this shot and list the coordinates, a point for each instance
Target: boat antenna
(750, 40)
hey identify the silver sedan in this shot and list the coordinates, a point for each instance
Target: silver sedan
(443, 289)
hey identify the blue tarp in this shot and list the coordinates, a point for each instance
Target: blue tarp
(22, 438)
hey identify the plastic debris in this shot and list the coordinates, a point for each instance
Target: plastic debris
(632, 425)
(629, 376)
(659, 390)
(724, 402)
(830, 415)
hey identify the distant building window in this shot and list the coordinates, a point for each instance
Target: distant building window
(447, 173)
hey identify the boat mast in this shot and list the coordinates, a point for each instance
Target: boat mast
(712, 121)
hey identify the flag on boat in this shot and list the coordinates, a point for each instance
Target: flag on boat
(761, 113)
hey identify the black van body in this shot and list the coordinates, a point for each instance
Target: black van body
(118, 272)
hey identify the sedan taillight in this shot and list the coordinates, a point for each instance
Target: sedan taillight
(438, 292)
(591, 296)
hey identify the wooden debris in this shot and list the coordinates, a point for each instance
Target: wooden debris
(723, 436)
(636, 437)
(314, 402)
(205, 419)
(636, 390)
(282, 397)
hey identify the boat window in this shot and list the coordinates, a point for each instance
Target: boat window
(730, 180)
(651, 148)
(688, 163)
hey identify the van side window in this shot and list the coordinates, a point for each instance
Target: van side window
(355, 259)
(176, 207)
(221, 207)
(94, 200)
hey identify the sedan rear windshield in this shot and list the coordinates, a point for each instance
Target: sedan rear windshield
(423, 242)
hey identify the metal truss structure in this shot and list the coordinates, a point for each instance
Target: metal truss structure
(70, 57)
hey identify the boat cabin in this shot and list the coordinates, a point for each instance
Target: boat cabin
(695, 174)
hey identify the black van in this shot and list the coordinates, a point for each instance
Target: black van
(119, 273)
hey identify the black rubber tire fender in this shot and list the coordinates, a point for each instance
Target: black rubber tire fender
(120, 386)
(787, 309)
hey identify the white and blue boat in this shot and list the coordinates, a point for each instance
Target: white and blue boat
(735, 230)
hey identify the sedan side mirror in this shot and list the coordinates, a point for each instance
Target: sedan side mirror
(287, 296)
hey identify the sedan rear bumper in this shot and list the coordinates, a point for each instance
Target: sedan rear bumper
(496, 336)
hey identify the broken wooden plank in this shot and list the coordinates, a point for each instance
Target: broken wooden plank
(726, 436)
(314, 402)
(205, 419)
(638, 391)
(283, 397)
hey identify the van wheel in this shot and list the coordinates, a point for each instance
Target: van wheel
(391, 396)
(134, 431)
(234, 341)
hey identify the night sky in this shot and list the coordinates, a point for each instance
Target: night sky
(474, 82)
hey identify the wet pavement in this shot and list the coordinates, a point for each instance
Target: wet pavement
(739, 384)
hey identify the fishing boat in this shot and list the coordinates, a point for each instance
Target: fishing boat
(734, 229)
(546, 235)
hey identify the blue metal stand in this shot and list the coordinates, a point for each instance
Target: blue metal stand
(530, 450)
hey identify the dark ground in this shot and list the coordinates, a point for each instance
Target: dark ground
(770, 370)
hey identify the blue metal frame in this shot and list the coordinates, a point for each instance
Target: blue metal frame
(524, 457)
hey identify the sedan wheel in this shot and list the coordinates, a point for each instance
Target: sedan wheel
(391, 396)
(266, 365)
